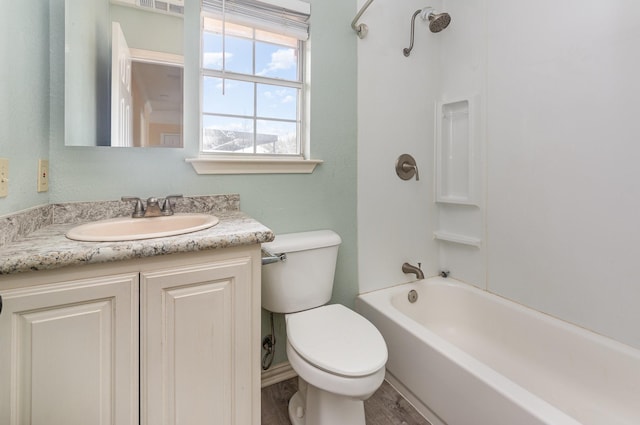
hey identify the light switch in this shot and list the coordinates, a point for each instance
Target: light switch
(4, 177)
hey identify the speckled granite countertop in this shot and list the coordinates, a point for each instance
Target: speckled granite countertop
(46, 247)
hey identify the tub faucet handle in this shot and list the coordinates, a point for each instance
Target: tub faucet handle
(406, 167)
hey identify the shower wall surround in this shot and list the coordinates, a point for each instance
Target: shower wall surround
(558, 122)
(460, 189)
(563, 173)
(396, 105)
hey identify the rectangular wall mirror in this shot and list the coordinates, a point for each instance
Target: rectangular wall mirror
(123, 73)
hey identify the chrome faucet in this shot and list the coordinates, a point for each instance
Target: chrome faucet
(153, 208)
(408, 268)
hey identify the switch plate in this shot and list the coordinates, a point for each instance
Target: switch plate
(4, 177)
(43, 175)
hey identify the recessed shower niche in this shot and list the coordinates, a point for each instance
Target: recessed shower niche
(459, 187)
(457, 156)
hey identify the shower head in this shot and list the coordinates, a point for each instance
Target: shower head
(437, 21)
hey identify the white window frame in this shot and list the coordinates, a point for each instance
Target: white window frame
(247, 163)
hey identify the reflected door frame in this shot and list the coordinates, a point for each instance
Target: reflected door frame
(156, 58)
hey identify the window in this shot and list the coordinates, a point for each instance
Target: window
(252, 72)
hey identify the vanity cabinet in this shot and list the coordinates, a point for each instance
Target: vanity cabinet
(68, 352)
(196, 363)
(183, 329)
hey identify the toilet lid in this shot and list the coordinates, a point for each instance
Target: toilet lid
(338, 340)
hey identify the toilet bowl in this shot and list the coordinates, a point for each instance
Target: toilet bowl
(338, 355)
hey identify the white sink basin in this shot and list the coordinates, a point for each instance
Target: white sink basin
(129, 229)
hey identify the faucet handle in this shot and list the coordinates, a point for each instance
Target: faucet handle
(167, 209)
(138, 210)
(406, 167)
(411, 169)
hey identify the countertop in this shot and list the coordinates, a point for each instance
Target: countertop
(47, 247)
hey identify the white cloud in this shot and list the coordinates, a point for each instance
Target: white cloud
(213, 60)
(278, 96)
(282, 92)
(281, 59)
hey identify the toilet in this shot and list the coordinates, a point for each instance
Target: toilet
(339, 356)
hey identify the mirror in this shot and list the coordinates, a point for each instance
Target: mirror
(157, 105)
(142, 47)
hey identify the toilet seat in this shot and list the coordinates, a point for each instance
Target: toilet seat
(356, 387)
(337, 340)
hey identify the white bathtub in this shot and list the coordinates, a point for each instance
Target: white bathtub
(467, 357)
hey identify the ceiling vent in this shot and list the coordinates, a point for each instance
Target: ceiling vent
(176, 7)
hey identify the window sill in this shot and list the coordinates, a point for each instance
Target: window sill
(227, 165)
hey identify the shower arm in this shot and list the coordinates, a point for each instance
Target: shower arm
(407, 50)
(361, 29)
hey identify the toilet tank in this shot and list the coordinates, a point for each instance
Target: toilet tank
(305, 279)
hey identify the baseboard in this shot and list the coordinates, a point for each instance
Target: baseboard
(278, 373)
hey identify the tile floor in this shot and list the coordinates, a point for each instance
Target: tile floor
(385, 407)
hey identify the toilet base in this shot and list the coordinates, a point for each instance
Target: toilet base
(313, 406)
(296, 409)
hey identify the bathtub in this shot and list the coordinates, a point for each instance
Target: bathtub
(464, 356)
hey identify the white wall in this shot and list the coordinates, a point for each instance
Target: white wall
(564, 159)
(396, 98)
(560, 212)
(463, 69)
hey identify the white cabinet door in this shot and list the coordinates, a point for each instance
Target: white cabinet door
(69, 353)
(196, 345)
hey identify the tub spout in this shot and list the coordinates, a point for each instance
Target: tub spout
(408, 268)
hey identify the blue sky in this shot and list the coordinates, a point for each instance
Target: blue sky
(272, 101)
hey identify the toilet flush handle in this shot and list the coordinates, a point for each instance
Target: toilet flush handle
(269, 258)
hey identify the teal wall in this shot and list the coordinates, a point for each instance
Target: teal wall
(285, 203)
(87, 58)
(24, 99)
